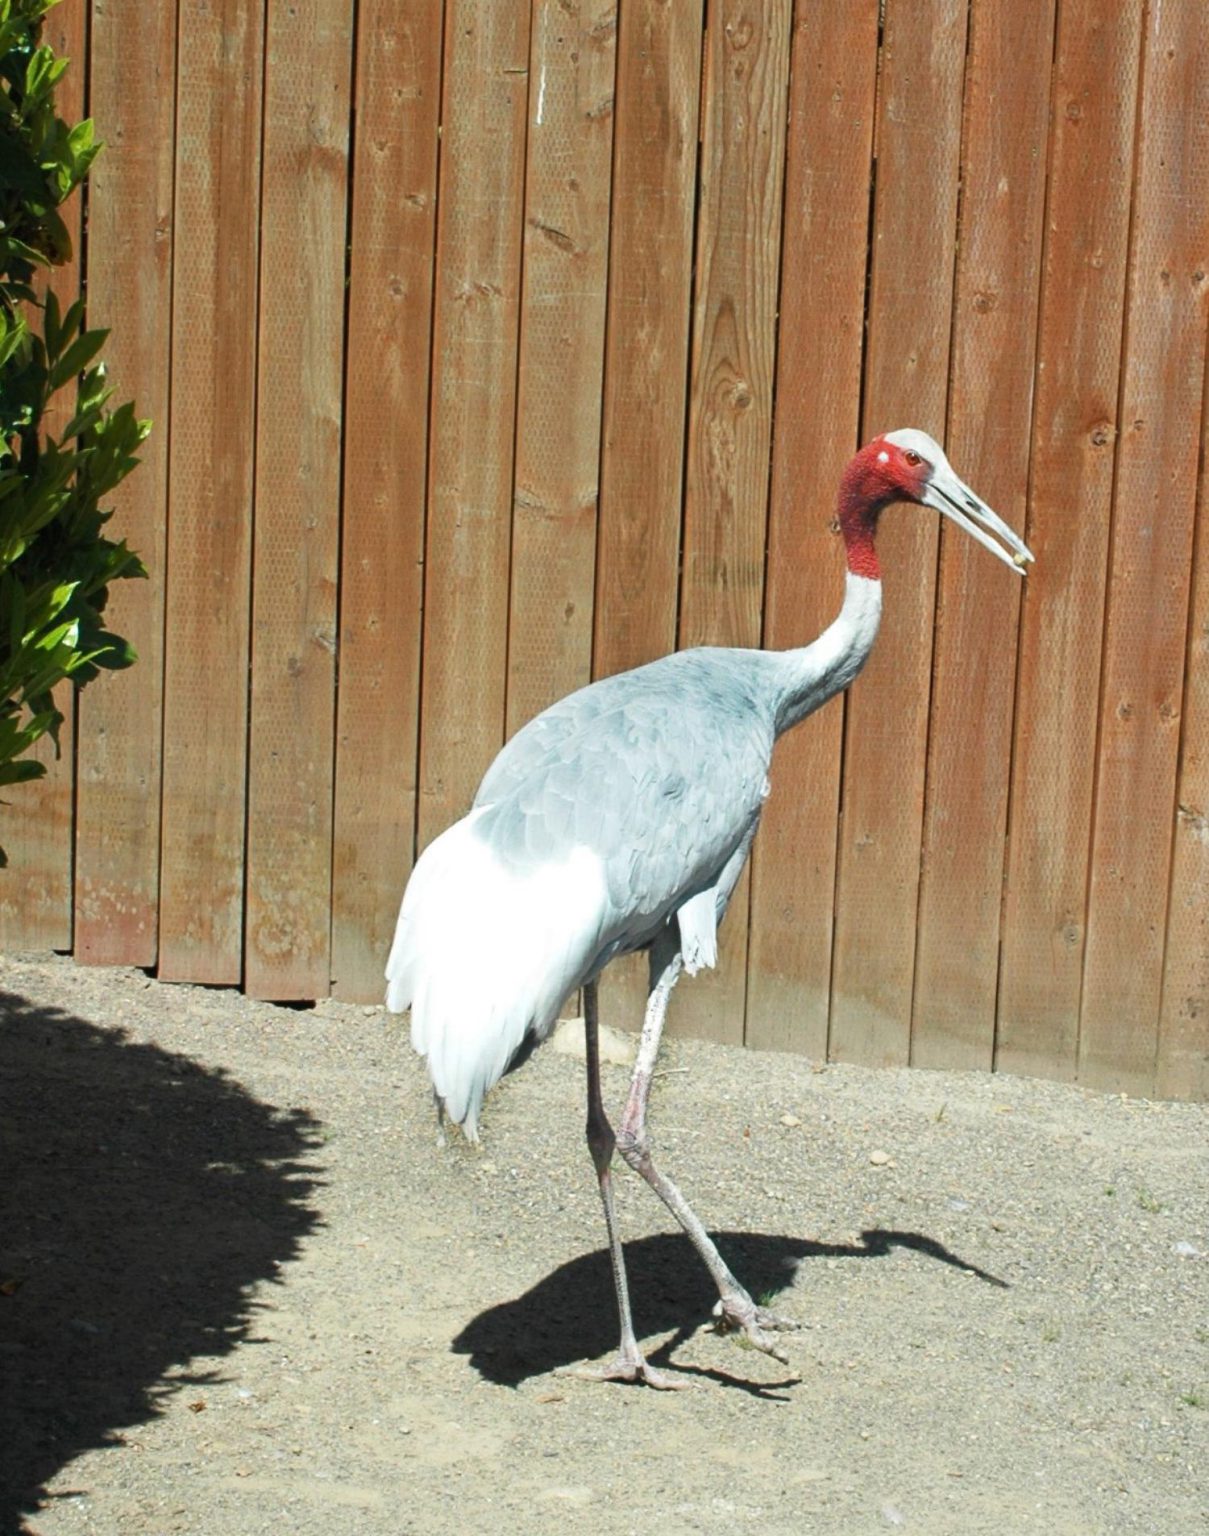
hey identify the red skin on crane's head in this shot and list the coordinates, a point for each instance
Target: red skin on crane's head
(881, 473)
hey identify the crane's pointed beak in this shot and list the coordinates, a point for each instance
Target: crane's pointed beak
(957, 501)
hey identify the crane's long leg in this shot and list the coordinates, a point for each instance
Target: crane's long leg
(736, 1309)
(630, 1364)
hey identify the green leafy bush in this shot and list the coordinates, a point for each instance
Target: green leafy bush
(55, 562)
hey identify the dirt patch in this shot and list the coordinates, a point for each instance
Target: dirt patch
(249, 1293)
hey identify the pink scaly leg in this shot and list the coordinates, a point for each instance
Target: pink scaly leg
(735, 1309)
(629, 1364)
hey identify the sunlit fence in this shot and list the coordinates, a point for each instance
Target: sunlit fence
(495, 346)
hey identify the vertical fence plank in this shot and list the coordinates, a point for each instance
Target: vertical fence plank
(990, 407)
(307, 71)
(473, 403)
(36, 884)
(917, 144)
(1182, 1068)
(210, 491)
(646, 362)
(385, 467)
(1146, 631)
(37, 823)
(646, 345)
(566, 244)
(1070, 495)
(819, 349)
(133, 74)
(730, 407)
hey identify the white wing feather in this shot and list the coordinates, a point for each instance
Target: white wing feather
(483, 955)
(698, 922)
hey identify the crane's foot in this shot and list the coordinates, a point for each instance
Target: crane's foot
(739, 1314)
(627, 1366)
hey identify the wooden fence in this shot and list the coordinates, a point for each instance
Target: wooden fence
(497, 344)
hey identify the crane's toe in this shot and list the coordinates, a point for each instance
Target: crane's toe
(739, 1314)
(625, 1367)
(776, 1321)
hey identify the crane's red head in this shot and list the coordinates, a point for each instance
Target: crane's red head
(908, 465)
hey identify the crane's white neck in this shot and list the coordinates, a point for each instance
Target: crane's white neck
(816, 672)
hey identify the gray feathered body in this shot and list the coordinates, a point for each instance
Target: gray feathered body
(661, 772)
(625, 808)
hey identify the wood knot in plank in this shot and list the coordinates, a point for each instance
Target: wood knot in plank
(558, 237)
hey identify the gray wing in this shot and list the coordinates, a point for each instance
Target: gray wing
(540, 741)
(661, 772)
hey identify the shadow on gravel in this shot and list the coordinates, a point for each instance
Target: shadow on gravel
(142, 1196)
(571, 1315)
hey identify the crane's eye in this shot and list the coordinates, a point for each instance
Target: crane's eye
(912, 457)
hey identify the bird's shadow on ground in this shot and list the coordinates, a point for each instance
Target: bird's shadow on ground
(142, 1197)
(571, 1315)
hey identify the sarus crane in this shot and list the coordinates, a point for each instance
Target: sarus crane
(618, 820)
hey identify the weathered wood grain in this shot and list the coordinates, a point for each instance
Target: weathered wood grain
(917, 144)
(212, 427)
(308, 64)
(1182, 1065)
(473, 422)
(1146, 629)
(387, 376)
(132, 73)
(990, 411)
(1070, 497)
(558, 429)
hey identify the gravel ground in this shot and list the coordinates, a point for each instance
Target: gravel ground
(242, 1290)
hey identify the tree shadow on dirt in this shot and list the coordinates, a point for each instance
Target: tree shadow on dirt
(142, 1197)
(571, 1315)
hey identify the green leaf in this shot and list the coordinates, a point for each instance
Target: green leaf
(20, 773)
(52, 325)
(84, 148)
(54, 638)
(53, 238)
(11, 339)
(116, 654)
(77, 357)
(82, 137)
(16, 247)
(73, 318)
(83, 420)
